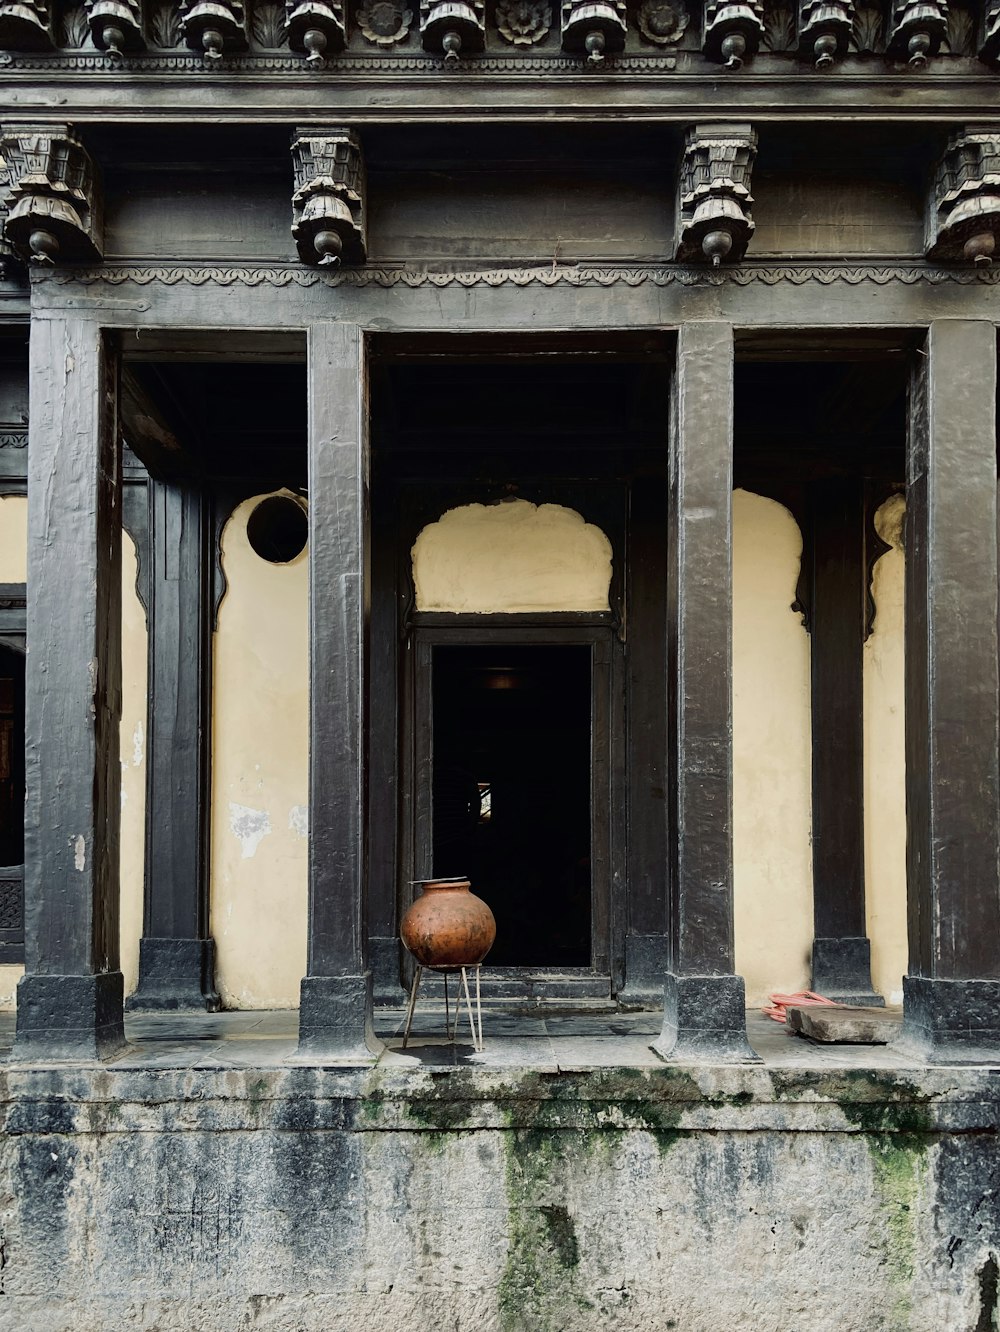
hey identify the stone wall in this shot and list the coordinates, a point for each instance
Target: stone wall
(453, 1200)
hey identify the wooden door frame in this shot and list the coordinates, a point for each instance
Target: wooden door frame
(598, 632)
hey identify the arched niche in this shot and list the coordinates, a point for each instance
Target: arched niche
(514, 557)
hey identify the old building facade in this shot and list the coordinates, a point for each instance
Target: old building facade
(541, 402)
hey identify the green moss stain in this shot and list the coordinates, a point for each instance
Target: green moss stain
(899, 1173)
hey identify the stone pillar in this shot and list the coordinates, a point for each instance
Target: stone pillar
(176, 953)
(841, 956)
(335, 1019)
(69, 1003)
(951, 996)
(704, 1015)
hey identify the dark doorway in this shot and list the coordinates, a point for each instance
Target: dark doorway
(512, 793)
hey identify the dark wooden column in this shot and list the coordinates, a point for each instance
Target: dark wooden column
(951, 996)
(69, 1003)
(336, 1003)
(841, 958)
(176, 953)
(704, 1012)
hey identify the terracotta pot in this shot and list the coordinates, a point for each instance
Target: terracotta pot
(448, 926)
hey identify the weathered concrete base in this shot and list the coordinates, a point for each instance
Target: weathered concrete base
(845, 1026)
(176, 974)
(335, 1021)
(951, 1021)
(842, 971)
(69, 1018)
(704, 1021)
(281, 1199)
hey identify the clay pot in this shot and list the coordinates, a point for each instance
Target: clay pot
(448, 926)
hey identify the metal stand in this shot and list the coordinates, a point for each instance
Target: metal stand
(475, 1016)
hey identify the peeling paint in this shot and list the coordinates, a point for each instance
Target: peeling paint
(298, 820)
(137, 745)
(80, 852)
(249, 826)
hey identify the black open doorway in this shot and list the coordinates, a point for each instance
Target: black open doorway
(512, 793)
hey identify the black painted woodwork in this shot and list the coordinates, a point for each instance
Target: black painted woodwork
(703, 1015)
(336, 995)
(176, 952)
(70, 998)
(951, 994)
(841, 955)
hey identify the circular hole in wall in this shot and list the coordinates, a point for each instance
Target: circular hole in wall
(278, 529)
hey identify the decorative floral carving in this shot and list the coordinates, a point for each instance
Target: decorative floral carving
(164, 26)
(385, 22)
(74, 30)
(868, 28)
(961, 31)
(662, 22)
(779, 28)
(523, 22)
(268, 26)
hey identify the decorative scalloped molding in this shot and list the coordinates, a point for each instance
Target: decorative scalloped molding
(184, 64)
(284, 275)
(13, 439)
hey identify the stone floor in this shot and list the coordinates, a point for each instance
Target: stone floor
(547, 1041)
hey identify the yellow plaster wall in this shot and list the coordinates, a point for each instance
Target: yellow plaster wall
(13, 566)
(772, 808)
(885, 792)
(513, 556)
(260, 745)
(133, 761)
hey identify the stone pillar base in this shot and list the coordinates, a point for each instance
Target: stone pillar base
(704, 1021)
(335, 1021)
(646, 957)
(951, 1021)
(176, 974)
(842, 970)
(69, 1019)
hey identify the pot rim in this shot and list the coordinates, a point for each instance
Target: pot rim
(445, 882)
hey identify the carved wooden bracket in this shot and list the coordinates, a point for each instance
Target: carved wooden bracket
(733, 30)
(25, 25)
(593, 27)
(963, 216)
(918, 29)
(713, 210)
(54, 204)
(453, 27)
(116, 26)
(825, 29)
(316, 28)
(328, 205)
(215, 27)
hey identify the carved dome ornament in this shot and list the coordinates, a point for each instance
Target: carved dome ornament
(714, 200)
(595, 28)
(54, 205)
(523, 22)
(315, 29)
(328, 206)
(825, 30)
(385, 22)
(453, 27)
(963, 222)
(733, 31)
(25, 25)
(116, 26)
(214, 27)
(918, 29)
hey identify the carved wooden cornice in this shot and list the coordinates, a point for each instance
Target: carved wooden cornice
(54, 205)
(826, 28)
(713, 202)
(215, 27)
